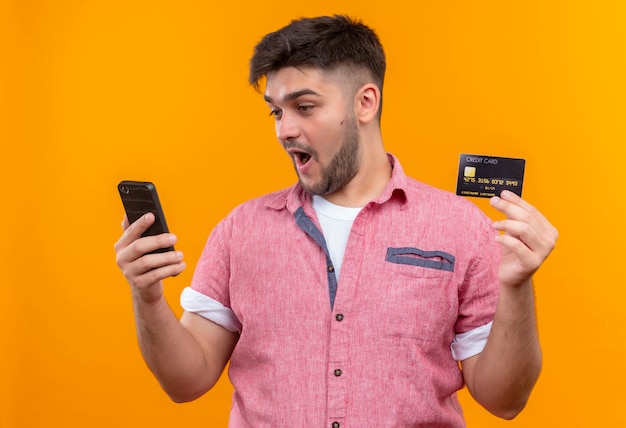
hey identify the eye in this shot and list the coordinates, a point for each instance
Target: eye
(276, 113)
(305, 108)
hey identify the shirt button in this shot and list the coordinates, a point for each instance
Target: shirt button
(339, 317)
(337, 372)
(331, 268)
(335, 425)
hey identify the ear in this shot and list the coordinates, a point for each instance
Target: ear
(367, 103)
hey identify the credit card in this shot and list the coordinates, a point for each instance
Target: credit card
(484, 176)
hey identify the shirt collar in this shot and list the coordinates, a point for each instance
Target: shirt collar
(295, 196)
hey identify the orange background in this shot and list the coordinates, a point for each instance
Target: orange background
(93, 92)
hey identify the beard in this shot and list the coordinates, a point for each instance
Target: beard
(342, 168)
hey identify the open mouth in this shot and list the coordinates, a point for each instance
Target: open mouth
(302, 158)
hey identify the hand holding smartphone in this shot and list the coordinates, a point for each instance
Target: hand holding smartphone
(139, 198)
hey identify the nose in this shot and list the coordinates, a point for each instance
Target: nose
(286, 127)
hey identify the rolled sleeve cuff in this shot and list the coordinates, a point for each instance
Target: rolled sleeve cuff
(196, 302)
(470, 343)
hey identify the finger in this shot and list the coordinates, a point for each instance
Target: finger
(128, 253)
(522, 232)
(141, 224)
(155, 275)
(514, 198)
(526, 261)
(513, 206)
(526, 242)
(139, 270)
(149, 244)
(125, 222)
(516, 246)
(134, 230)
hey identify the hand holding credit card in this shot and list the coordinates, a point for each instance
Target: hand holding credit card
(487, 176)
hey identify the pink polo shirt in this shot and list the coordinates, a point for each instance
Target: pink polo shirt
(373, 350)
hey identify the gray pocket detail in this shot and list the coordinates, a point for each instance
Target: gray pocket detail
(414, 256)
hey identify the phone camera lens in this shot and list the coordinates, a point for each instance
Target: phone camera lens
(124, 189)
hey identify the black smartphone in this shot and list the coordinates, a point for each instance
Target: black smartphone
(139, 198)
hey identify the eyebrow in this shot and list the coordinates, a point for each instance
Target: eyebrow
(292, 96)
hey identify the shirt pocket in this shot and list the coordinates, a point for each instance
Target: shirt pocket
(426, 263)
(421, 286)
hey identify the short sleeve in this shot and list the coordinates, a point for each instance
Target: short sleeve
(198, 303)
(478, 294)
(211, 276)
(470, 343)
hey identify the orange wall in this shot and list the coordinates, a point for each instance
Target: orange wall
(92, 92)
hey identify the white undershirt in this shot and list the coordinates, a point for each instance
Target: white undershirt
(336, 222)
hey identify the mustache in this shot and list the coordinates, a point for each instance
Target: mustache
(296, 145)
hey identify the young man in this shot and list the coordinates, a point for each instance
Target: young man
(348, 299)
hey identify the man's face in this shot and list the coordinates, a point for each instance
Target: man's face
(316, 126)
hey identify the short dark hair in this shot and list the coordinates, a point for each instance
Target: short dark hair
(325, 42)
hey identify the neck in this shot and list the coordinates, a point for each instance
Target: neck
(371, 180)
